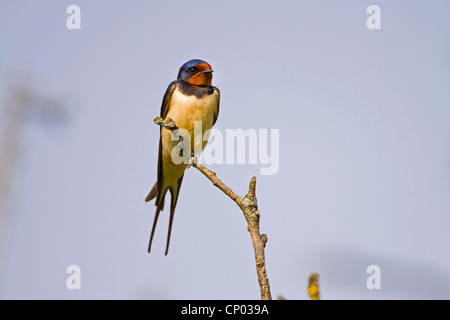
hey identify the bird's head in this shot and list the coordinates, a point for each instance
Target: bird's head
(196, 72)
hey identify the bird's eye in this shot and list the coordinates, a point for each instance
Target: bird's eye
(192, 70)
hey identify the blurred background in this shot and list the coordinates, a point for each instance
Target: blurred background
(364, 176)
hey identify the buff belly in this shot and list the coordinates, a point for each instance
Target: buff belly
(185, 110)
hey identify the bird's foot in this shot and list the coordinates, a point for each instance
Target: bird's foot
(193, 161)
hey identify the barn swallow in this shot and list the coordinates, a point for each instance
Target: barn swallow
(189, 98)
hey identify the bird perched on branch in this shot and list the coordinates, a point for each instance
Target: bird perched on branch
(189, 99)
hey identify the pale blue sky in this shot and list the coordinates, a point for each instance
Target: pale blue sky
(364, 122)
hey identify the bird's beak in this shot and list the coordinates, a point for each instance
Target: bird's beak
(206, 71)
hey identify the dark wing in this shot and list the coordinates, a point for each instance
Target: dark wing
(166, 100)
(218, 104)
(159, 183)
(164, 109)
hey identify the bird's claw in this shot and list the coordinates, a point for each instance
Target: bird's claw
(193, 161)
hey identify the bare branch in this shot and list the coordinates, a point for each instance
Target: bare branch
(217, 182)
(249, 207)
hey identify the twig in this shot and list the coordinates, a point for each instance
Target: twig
(168, 123)
(248, 205)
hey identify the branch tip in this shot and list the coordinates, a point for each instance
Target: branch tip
(167, 123)
(252, 187)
